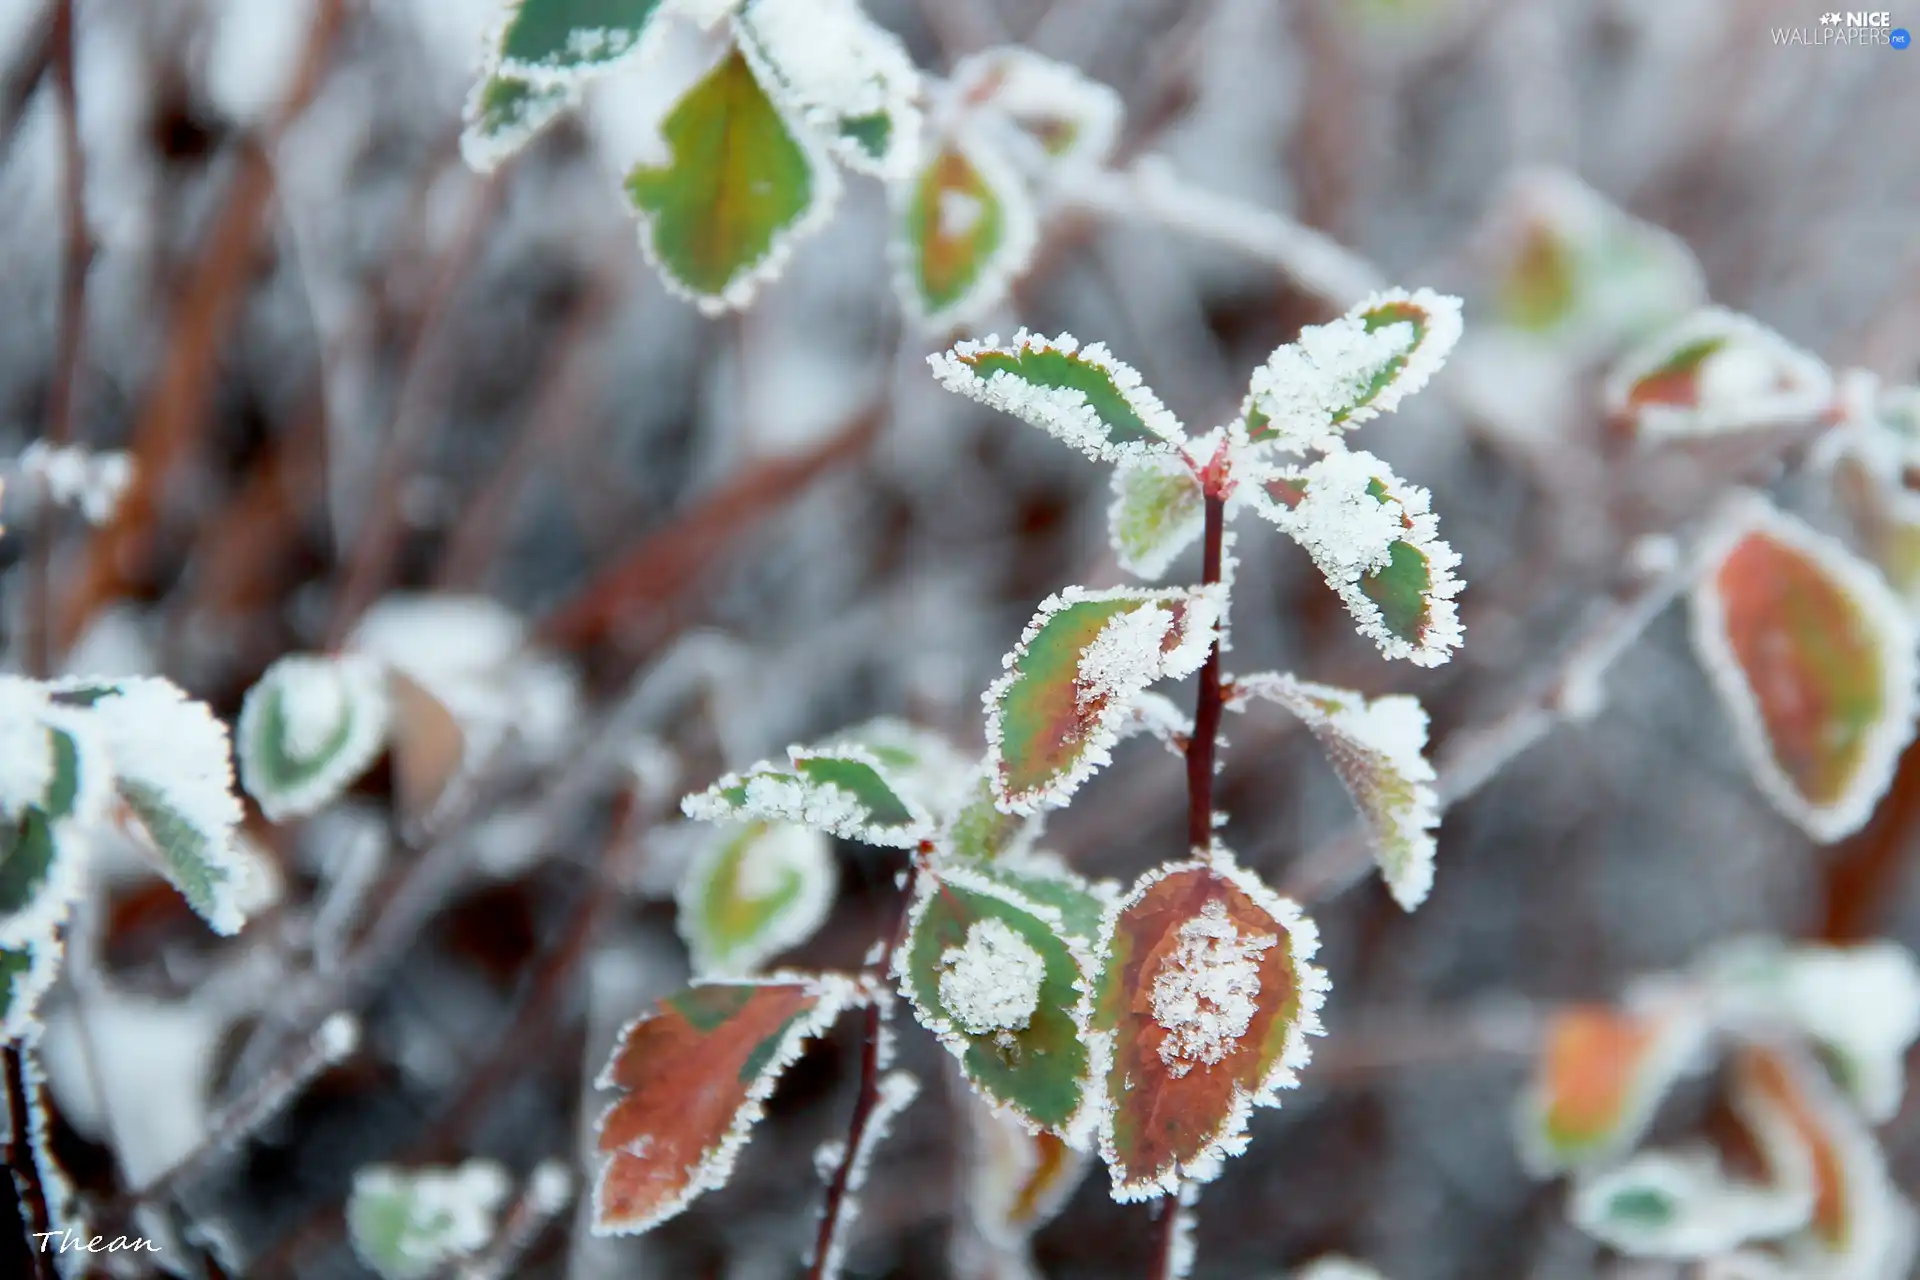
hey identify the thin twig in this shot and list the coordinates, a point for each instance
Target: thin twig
(1201, 746)
(34, 1215)
(63, 393)
(878, 1011)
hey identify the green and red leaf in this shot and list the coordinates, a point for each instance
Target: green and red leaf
(964, 227)
(1071, 120)
(695, 1075)
(1080, 394)
(752, 892)
(1378, 749)
(1602, 1073)
(995, 975)
(1814, 658)
(743, 184)
(843, 788)
(1200, 1010)
(1017, 1180)
(1717, 371)
(1158, 511)
(1054, 717)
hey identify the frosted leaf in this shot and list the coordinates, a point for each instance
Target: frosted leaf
(1053, 718)
(1170, 1115)
(1158, 511)
(923, 766)
(552, 42)
(1682, 1204)
(893, 1094)
(1860, 1225)
(1080, 394)
(964, 228)
(435, 637)
(696, 1072)
(308, 729)
(408, 1224)
(1601, 1075)
(502, 115)
(27, 971)
(993, 973)
(1158, 715)
(1334, 1267)
(1717, 371)
(174, 768)
(991, 981)
(1207, 989)
(26, 746)
(1072, 120)
(1813, 657)
(1576, 270)
(1378, 749)
(834, 68)
(742, 185)
(979, 829)
(75, 476)
(752, 892)
(1016, 1180)
(42, 873)
(1044, 879)
(1336, 376)
(1860, 1003)
(1376, 540)
(840, 788)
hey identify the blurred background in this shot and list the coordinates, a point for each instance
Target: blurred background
(345, 365)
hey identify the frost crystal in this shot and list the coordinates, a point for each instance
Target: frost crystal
(991, 982)
(829, 63)
(75, 476)
(1125, 656)
(25, 747)
(1341, 523)
(1207, 989)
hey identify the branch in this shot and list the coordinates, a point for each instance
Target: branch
(34, 1215)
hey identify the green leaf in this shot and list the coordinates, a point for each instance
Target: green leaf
(720, 218)
(695, 1074)
(1813, 657)
(1054, 717)
(1080, 394)
(504, 114)
(1043, 879)
(964, 228)
(841, 788)
(862, 95)
(27, 853)
(1717, 371)
(752, 892)
(928, 772)
(308, 729)
(1377, 747)
(1158, 511)
(1682, 1204)
(1201, 1006)
(549, 41)
(980, 830)
(27, 970)
(409, 1224)
(991, 972)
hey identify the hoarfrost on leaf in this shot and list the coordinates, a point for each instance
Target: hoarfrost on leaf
(503, 115)
(964, 226)
(551, 42)
(991, 982)
(843, 788)
(1072, 120)
(1080, 394)
(1717, 371)
(1207, 989)
(1683, 1204)
(26, 747)
(308, 729)
(408, 1224)
(752, 892)
(1158, 511)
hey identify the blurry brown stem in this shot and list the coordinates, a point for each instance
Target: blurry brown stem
(34, 1216)
(878, 1011)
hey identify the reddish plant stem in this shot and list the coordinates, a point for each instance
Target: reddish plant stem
(877, 1013)
(35, 1218)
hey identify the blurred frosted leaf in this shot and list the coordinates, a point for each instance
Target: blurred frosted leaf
(1200, 1011)
(834, 68)
(842, 788)
(695, 1074)
(743, 185)
(27, 970)
(1054, 717)
(1814, 658)
(1682, 1204)
(1601, 1075)
(1074, 121)
(1158, 511)
(553, 41)
(1377, 747)
(924, 767)
(1859, 1003)
(1080, 394)
(991, 973)
(1574, 268)
(964, 228)
(1017, 1180)
(1860, 1225)
(408, 1224)
(504, 114)
(308, 729)
(1044, 879)
(981, 830)
(432, 756)
(1717, 371)
(174, 770)
(1336, 376)
(26, 746)
(1335, 1267)
(1376, 540)
(752, 892)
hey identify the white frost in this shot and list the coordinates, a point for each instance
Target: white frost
(1207, 989)
(1073, 119)
(786, 870)
(991, 982)
(406, 1224)
(1682, 1204)
(1005, 259)
(75, 476)
(1755, 379)
(26, 748)
(323, 702)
